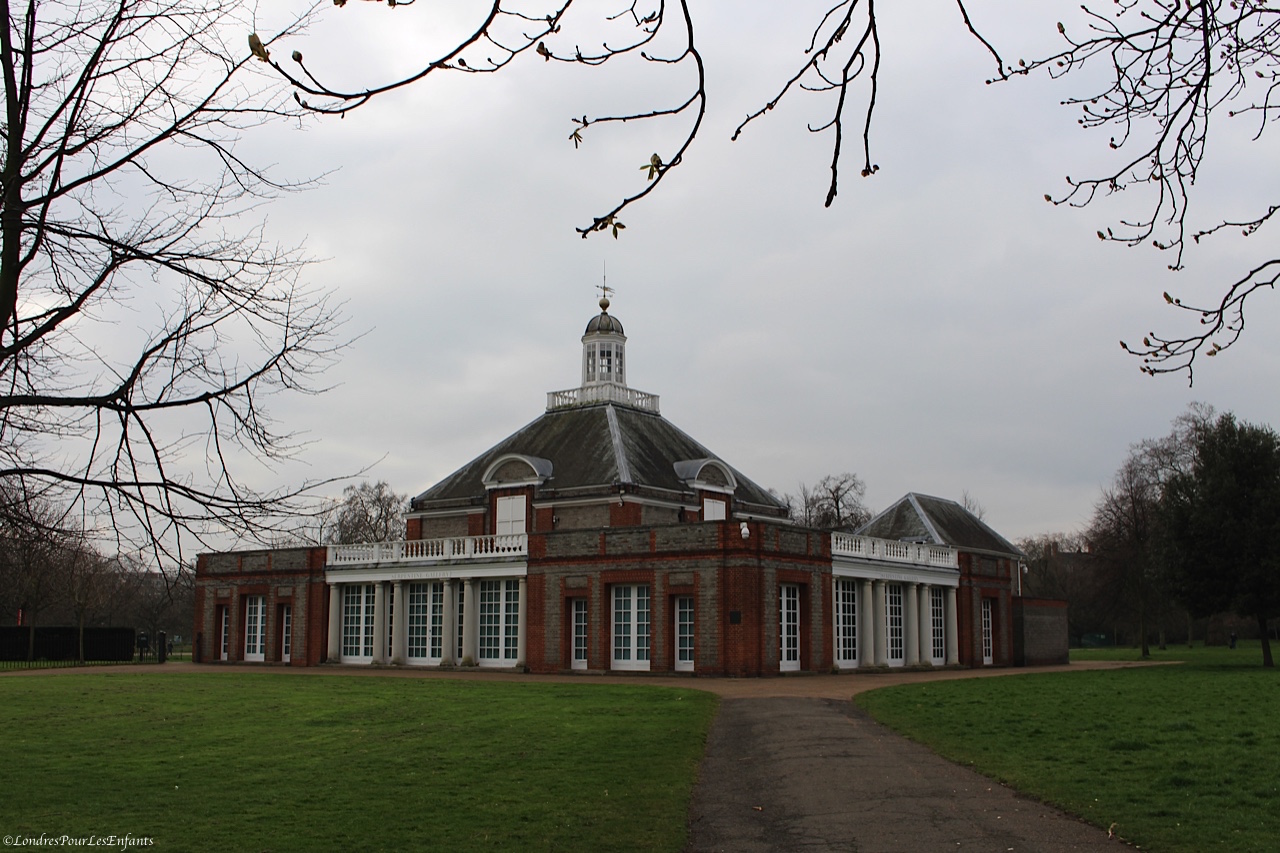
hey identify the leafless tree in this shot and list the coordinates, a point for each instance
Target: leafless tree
(140, 332)
(970, 503)
(369, 512)
(833, 503)
(1168, 67)
(1123, 531)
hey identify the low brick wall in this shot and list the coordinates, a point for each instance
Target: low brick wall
(1039, 632)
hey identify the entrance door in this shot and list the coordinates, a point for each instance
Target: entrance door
(789, 627)
(987, 657)
(846, 603)
(255, 627)
(631, 627)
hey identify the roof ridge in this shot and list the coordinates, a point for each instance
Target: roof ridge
(619, 449)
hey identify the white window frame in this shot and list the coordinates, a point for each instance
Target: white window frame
(631, 626)
(510, 512)
(938, 623)
(498, 615)
(713, 509)
(789, 627)
(895, 630)
(846, 621)
(224, 641)
(581, 626)
(424, 603)
(255, 628)
(988, 657)
(685, 625)
(606, 362)
(459, 613)
(358, 605)
(286, 633)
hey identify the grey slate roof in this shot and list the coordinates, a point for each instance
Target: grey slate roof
(939, 521)
(593, 448)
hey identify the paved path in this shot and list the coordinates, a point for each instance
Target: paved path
(793, 774)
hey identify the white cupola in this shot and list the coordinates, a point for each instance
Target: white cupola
(603, 349)
(604, 368)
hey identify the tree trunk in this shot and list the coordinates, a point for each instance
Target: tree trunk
(1142, 619)
(1191, 624)
(1266, 640)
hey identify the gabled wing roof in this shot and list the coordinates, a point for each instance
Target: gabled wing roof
(596, 446)
(924, 518)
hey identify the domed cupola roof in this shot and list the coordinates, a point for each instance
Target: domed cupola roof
(604, 323)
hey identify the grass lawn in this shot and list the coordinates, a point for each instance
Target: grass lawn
(1179, 758)
(275, 762)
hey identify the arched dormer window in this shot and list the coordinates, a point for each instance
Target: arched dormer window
(713, 482)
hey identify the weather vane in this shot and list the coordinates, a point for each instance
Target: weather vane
(604, 287)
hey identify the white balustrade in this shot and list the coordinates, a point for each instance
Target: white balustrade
(604, 393)
(431, 550)
(893, 551)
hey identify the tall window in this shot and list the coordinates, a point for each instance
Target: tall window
(436, 648)
(987, 644)
(846, 622)
(684, 633)
(591, 363)
(606, 362)
(937, 600)
(631, 627)
(224, 642)
(789, 627)
(510, 515)
(579, 633)
(416, 620)
(391, 618)
(499, 622)
(286, 633)
(893, 623)
(255, 627)
(357, 621)
(462, 590)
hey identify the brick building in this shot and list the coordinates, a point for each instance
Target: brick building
(602, 537)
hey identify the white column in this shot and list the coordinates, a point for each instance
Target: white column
(449, 624)
(380, 622)
(925, 599)
(866, 630)
(470, 630)
(522, 631)
(877, 615)
(949, 617)
(399, 624)
(335, 623)
(911, 622)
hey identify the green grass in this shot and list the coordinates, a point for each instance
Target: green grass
(274, 762)
(1246, 653)
(1180, 758)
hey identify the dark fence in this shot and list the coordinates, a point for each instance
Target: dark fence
(60, 646)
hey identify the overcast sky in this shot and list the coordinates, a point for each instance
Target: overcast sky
(939, 329)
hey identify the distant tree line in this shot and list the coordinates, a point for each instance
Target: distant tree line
(1188, 529)
(54, 574)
